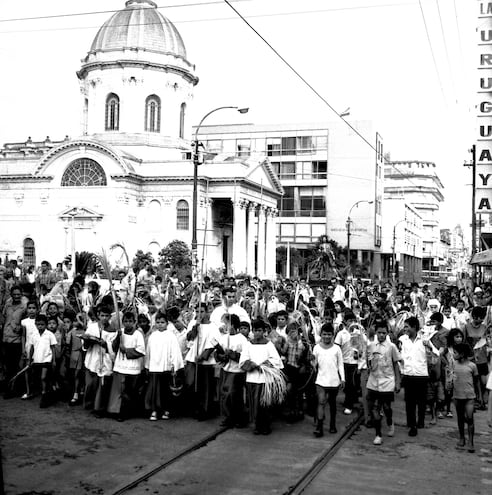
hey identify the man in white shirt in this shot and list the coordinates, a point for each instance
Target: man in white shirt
(414, 349)
(230, 306)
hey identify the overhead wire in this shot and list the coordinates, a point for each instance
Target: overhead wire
(432, 53)
(213, 19)
(446, 51)
(316, 92)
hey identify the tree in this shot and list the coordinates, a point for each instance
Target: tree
(141, 259)
(177, 254)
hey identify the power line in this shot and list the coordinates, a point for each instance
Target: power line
(324, 100)
(446, 48)
(432, 52)
(186, 21)
(77, 14)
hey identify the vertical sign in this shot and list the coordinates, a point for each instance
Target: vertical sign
(483, 178)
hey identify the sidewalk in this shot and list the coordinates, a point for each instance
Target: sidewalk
(426, 464)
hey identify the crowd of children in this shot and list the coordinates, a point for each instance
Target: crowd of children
(251, 349)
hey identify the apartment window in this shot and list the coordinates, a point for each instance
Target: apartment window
(273, 146)
(313, 201)
(112, 122)
(320, 169)
(321, 142)
(288, 146)
(305, 145)
(287, 170)
(286, 202)
(214, 145)
(243, 147)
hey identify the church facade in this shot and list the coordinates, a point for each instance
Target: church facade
(128, 178)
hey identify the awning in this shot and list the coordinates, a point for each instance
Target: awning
(482, 258)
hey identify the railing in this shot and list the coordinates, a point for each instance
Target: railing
(302, 213)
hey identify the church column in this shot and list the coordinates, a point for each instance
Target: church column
(271, 243)
(250, 266)
(261, 242)
(239, 237)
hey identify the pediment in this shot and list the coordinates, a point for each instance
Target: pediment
(80, 213)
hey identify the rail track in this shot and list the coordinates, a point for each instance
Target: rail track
(296, 488)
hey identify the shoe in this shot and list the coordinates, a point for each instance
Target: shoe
(440, 415)
(256, 432)
(226, 423)
(318, 432)
(165, 415)
(333, 429)
(433, 421)
(27, 396)
(413, 432)
(120, 418)
(449, 414)
(266, 431)
(347, 411)
(153, 416)
(471, 449)
(377, 441)
(391, 430)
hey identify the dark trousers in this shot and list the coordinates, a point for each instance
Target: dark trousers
(378, 402)
(201, 386)
(351, 385)
(232, 397)
(97, 390)
(415, 399)
(327, 395)
(11, 354)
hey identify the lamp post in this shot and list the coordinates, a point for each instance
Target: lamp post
(349, 221)
(198, 160)
(393, 257)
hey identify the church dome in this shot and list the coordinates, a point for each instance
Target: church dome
(139, 26)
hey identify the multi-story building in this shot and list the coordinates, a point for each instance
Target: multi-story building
(402, 242)
(418, 183)
(325, 169)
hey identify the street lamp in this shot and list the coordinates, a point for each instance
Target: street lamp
(393, 259)
(198, 160)
(349, 221)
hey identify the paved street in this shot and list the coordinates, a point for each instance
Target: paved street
(63, 450)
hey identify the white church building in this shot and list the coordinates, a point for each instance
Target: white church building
(128, 177)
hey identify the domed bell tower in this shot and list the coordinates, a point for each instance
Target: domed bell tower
(136, 81)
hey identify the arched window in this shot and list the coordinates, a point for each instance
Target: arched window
(112, 112)
(153, 113)
(182, 215)
(182, 120)
(84, 172)
(29, 252)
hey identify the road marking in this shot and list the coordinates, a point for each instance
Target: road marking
(486, 469)
(487, 482)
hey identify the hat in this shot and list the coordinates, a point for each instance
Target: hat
(477, 290)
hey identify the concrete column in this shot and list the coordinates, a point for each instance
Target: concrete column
(239, 237)
(271, 244)
(251, 235)
(260, 271)
(205, 234)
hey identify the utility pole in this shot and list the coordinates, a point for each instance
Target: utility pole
(473, 166)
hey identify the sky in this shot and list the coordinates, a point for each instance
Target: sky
(407, 65)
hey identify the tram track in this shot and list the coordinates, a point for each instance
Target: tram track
(298, 487)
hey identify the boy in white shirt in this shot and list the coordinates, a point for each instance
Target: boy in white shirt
(129, 346)
(42, 357)
(330, 377)
(29, 335)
